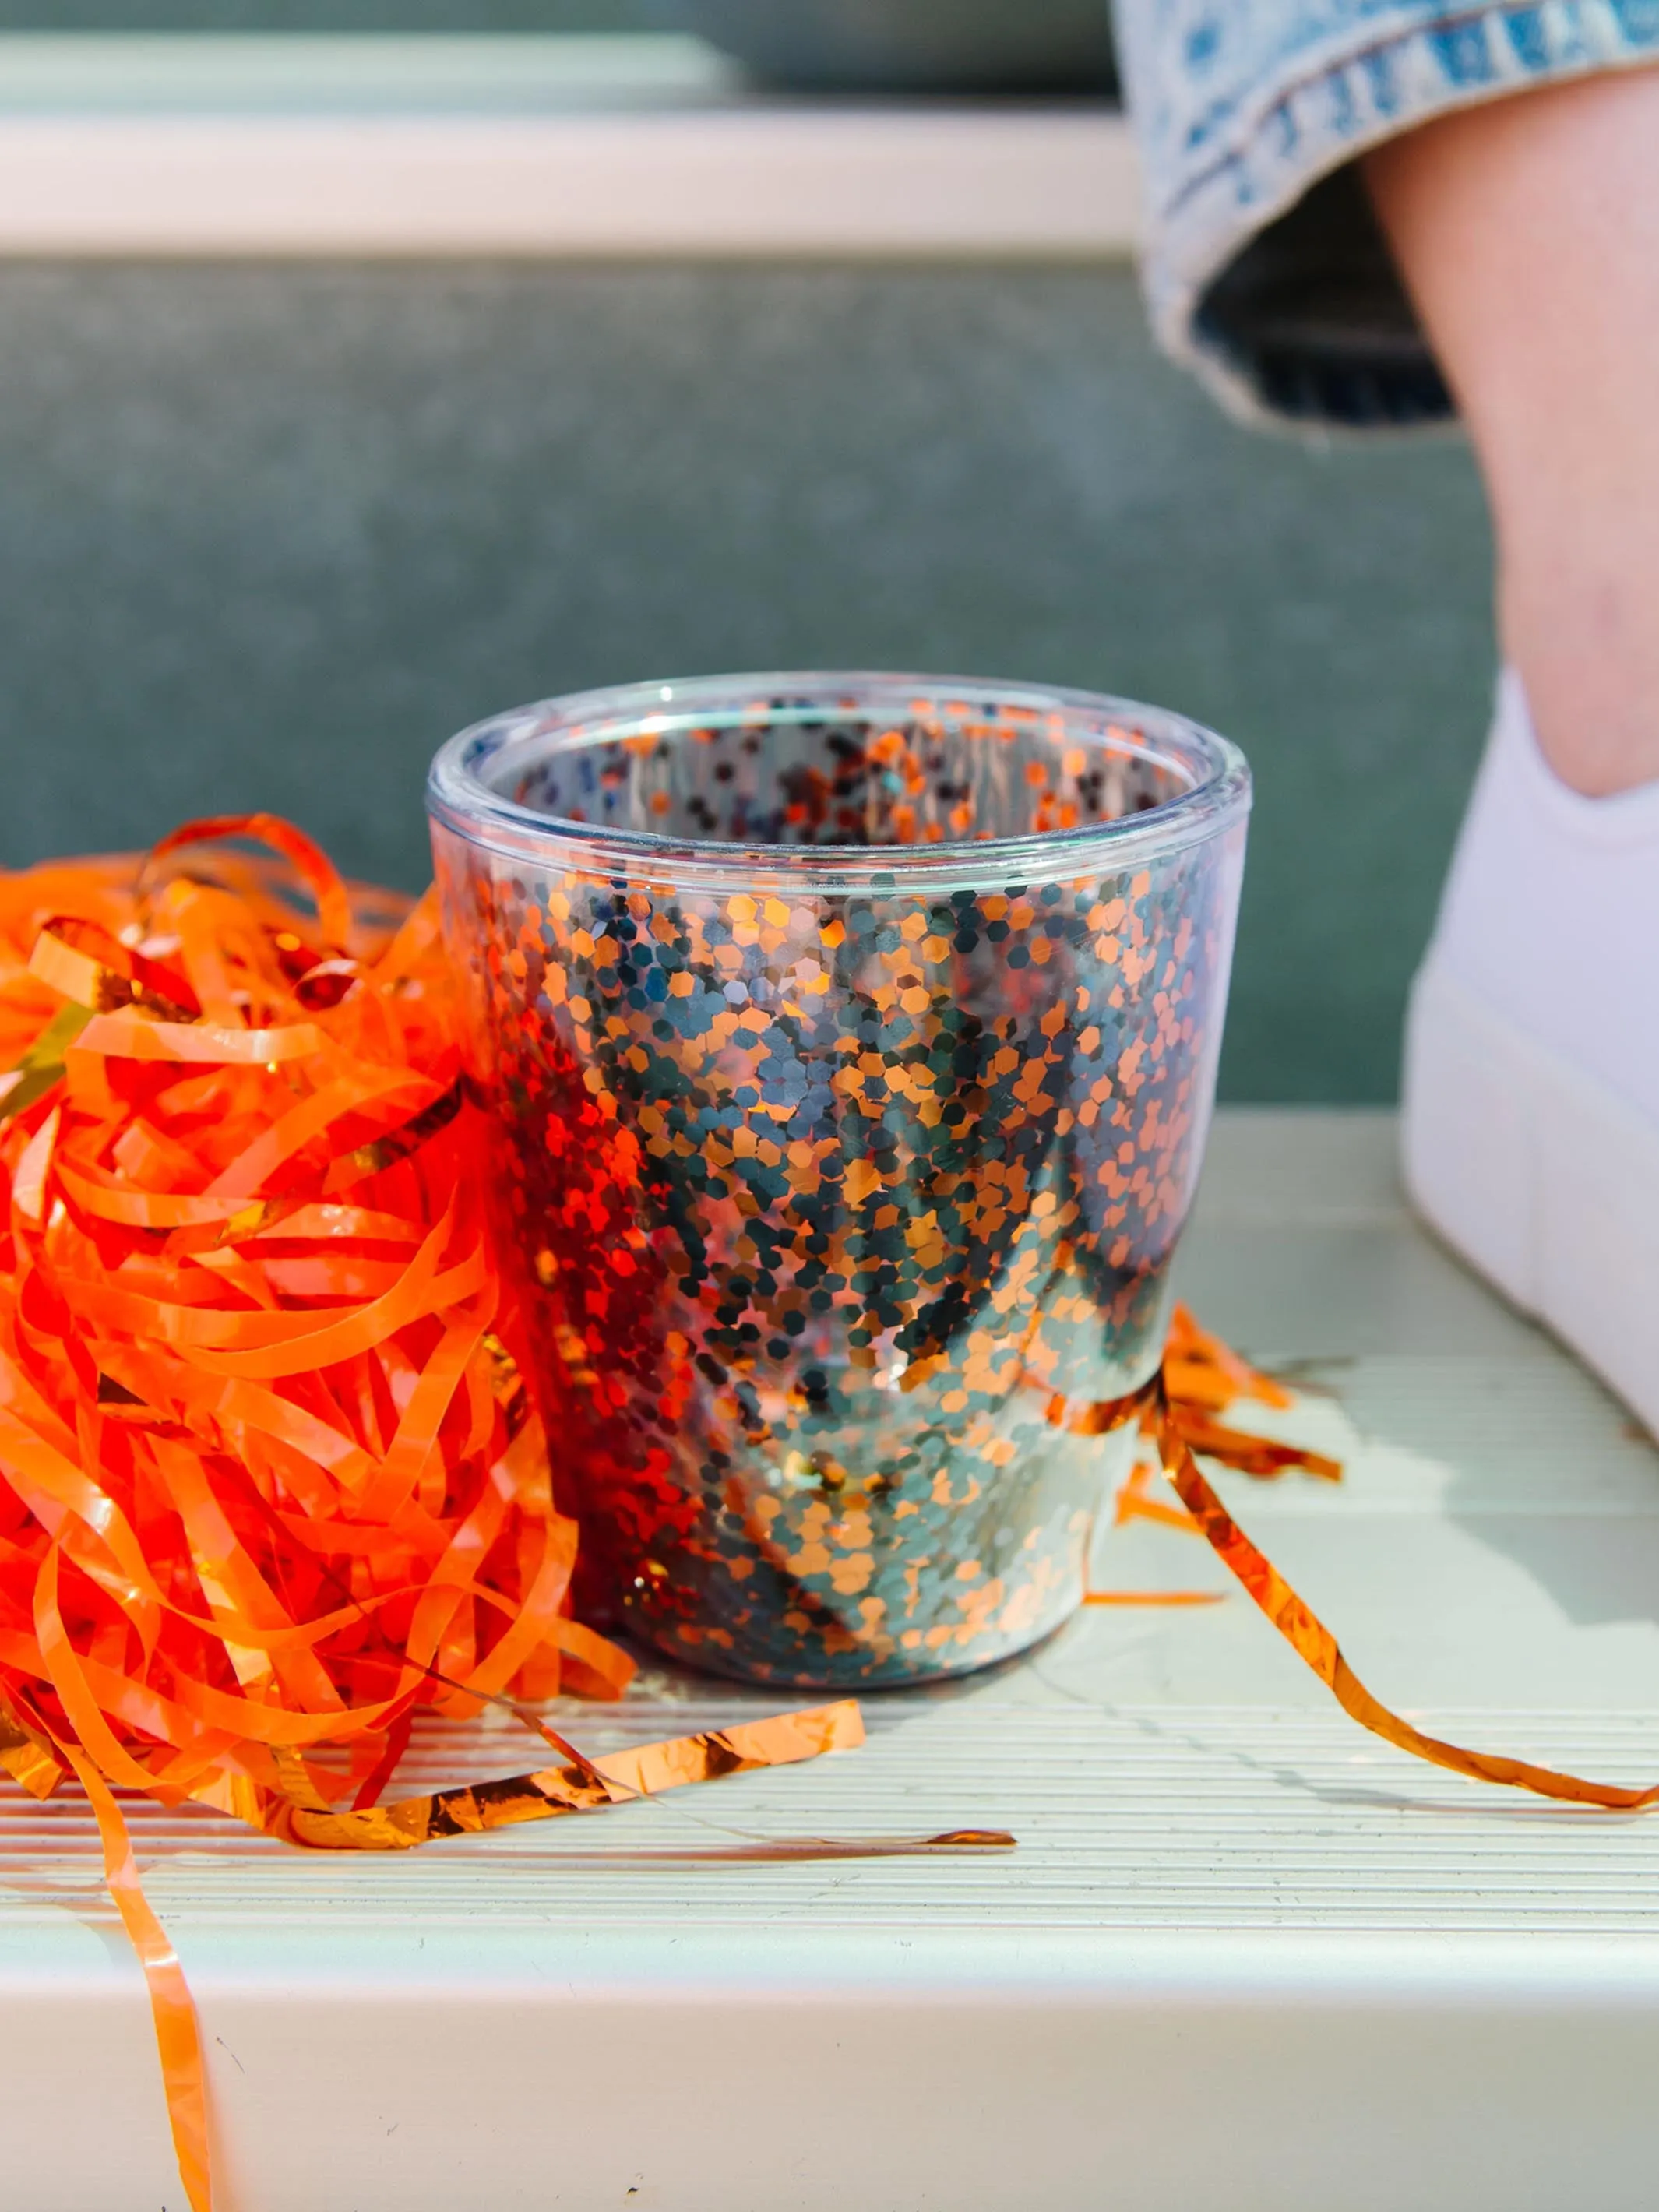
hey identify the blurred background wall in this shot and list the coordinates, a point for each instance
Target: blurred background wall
(324, 15)
(269, 531)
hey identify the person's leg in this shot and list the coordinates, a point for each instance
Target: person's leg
(1507, 247)
(1528, 232)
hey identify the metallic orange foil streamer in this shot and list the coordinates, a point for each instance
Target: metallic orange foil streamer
(1309, 1636)
(1201, 1377)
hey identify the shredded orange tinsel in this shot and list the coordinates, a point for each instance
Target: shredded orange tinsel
(272, 1481)
(275, 1481)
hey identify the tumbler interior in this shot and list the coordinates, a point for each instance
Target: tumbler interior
(867, 762)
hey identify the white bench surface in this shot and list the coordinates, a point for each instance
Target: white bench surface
(1243, 1955)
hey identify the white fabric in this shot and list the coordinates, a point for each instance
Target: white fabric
(1550, 912)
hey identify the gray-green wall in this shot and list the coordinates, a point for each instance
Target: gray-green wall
(267, 533)
(324, 15)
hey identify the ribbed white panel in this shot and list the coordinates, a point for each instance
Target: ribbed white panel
(1242, 1954)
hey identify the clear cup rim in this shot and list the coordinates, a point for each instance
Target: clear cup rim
(460, 800)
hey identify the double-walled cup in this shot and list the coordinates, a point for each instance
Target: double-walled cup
(851, 1040)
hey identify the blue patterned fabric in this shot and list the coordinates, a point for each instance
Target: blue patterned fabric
(1264, 268)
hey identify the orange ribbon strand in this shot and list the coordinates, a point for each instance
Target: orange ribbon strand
(1312, 1643)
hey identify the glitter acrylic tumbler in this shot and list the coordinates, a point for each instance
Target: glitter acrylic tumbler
(851, 1043)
